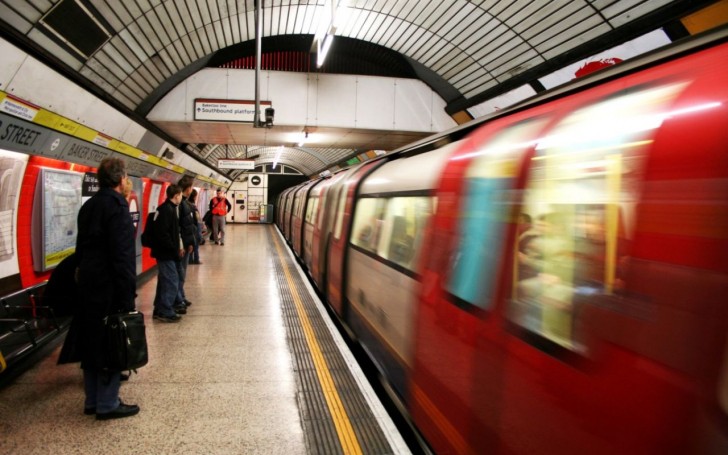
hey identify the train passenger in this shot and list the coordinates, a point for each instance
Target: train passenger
(220, 206)
(195, 259)
(550, 290)
(188, 231)
(167, 250)
(106, 276)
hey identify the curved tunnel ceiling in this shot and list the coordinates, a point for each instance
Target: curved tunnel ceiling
(131, 52)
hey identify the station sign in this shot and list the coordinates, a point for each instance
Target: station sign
(235, 164)
(228, 110)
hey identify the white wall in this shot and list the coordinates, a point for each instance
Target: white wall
(324, 100)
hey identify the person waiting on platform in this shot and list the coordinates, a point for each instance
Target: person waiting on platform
(188, 231)
(195, 259)
(219, 206)
(106, 277)
(168, 251)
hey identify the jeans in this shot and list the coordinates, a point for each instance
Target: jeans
(195, 259)
(182, 274)
(167, 287)
(102, 390)
(218, 227)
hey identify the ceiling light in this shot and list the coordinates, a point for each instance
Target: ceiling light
(303, 138)
(278, 156)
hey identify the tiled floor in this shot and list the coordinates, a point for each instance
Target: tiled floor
(219, 382)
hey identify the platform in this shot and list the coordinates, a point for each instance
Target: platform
(254, 367)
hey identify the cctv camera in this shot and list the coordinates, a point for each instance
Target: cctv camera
(269, 113)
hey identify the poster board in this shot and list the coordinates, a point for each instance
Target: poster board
(54, 225)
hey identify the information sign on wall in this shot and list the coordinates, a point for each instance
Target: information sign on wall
(235, 164)
(228, 110)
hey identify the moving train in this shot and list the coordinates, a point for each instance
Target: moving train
(549, 279)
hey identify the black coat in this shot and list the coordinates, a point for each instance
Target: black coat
(187, 223)
(166, 233)
(106, 255)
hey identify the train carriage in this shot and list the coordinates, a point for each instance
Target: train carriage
(600, 326)
(554, 279)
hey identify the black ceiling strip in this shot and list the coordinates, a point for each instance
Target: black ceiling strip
(195, 11)
(443, 41)
(395, 20)
(631, 30)
(412, 40)
(676, 30)
(458, 82)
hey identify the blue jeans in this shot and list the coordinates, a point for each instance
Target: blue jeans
(102, 390)
(196, 249)
(167, 287)
(182, 274)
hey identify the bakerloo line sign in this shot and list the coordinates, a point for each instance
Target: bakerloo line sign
(228, 110)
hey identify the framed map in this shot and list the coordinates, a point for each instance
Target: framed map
(55, 210)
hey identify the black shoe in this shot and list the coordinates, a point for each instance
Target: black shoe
(187, 303)
(123, 377)
(124, 410)
(175, 318)
(180, 309)
(89, 411)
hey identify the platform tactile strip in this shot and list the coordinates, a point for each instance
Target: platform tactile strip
(319, 427)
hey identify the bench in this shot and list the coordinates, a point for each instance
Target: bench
(26, 324)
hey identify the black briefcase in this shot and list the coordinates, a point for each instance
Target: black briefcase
(126, 341)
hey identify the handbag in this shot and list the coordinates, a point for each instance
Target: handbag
(126, 341)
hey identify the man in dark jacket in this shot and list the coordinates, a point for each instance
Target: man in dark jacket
(106, 276)
(188, 231)
(168, 251)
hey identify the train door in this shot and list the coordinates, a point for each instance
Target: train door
(457, 323)
(309, 218)
(322, 229)
(300, 200)
(336, 257)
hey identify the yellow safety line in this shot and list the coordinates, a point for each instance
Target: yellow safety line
(344, 430)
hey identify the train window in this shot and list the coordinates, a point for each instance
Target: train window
(580, 198)
(368, 222)
(312, 209)
(392, 228)
(403, 228)
(488, 184)
(340, 208)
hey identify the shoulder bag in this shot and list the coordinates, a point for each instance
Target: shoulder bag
(126, 341)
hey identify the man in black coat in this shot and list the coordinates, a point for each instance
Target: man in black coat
(106, 277)
(188, 231)
(168, 251)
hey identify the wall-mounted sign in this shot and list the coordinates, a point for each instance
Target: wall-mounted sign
(228, 110)
(235, 164)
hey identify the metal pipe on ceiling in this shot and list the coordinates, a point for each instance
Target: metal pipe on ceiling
(258, 46)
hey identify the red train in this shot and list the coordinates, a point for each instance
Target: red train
(552, 279)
